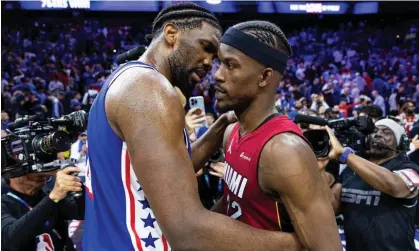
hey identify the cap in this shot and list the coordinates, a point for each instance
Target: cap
(395, 127)
(75, 103)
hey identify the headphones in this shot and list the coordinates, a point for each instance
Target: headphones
(404, 143)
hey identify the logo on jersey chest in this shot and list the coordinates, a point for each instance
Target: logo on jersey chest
(361, 197)
(244, 156)
(236, 182)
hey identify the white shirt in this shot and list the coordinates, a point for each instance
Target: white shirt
(75, 154)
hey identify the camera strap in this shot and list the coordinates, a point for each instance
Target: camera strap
(47, 224)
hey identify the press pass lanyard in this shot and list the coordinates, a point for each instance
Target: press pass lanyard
(219, 187)
(14, 196)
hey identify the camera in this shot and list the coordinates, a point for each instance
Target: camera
(32, 143)
(218, 156)
(351, 132)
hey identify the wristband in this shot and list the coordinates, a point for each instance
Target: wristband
(345, 154)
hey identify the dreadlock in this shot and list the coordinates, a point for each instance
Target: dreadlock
(184, 16)
(267, 33)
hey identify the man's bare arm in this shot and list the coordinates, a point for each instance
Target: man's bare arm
(288, 170)
(219, 206)
(150, 119)
(209, 143)
(336, 190)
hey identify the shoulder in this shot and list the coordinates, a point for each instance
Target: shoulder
(285, 144)
(285, 156)
(142, 81)
(139, 95)
(5, 202)
(407, 164)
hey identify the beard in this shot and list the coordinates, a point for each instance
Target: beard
(379, 153)
(238, 107)
(179, 70)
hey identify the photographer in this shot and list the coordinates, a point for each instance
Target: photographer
(378, 195)
(33, 220)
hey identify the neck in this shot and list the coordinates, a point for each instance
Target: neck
(379, 161)
(20, 188)
(154, 56)
(260, 109)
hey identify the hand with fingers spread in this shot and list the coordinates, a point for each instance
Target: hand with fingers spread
(65, 182)
(193, 119)
(217, 169)
(415, 141)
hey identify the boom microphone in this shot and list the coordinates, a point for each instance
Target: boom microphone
(23, 121)
(132, 54)
(299, 118)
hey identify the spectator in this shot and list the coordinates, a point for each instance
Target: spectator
(4, 120)
(78, 151)
(379, 101)
(55, 85)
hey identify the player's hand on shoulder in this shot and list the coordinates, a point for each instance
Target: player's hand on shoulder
(65, 182)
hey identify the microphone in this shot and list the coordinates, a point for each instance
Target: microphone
(299, 118)
(23, 121)
(384, 146)
(132, 54)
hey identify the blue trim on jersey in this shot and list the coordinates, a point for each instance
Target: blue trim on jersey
(105, 216)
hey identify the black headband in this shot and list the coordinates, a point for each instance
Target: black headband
(255, 49)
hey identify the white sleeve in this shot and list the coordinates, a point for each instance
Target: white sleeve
(85, 98)
(74, 153)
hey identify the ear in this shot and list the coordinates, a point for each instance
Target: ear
(266, 77)
(170, 34)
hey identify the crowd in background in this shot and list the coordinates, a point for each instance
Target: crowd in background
(56, 68)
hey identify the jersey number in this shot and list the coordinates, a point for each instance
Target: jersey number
(234, 205)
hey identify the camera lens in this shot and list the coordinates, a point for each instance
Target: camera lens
(319, 140)
(55, 142)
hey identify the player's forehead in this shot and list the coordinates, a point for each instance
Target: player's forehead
(207, 32)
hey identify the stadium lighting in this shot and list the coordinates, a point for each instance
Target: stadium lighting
(213, 1)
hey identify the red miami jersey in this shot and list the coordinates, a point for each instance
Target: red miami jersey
(243, 198)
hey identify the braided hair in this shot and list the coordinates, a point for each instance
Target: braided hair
(267, 33)
(184, 16)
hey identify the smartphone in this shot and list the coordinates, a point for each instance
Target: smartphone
(198, 102)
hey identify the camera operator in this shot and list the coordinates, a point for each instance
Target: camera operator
(378, 195)
(33, 220)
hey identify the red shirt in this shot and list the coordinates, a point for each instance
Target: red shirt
(244, 200)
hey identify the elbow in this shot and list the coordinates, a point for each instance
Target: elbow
(180, 241)
(397, 188)
(186, 236)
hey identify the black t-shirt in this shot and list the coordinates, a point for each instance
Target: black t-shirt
(374, 220)
(43, 226)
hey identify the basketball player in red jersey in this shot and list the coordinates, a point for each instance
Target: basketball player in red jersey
(146, 120)
(272, 179)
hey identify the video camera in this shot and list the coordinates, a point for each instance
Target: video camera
(351, 132)
(32, 143)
